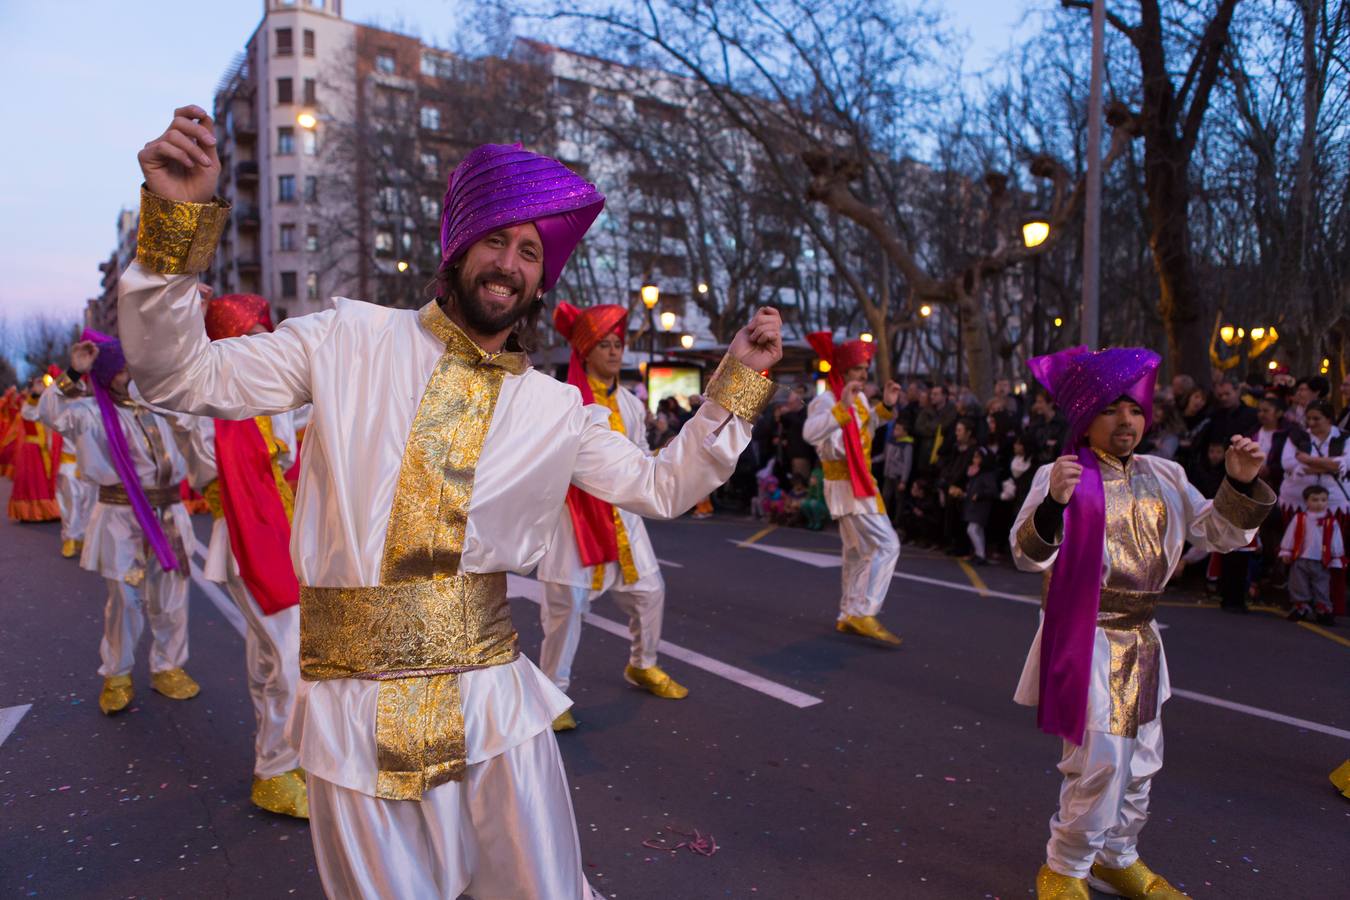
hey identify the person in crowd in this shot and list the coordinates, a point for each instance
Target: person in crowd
(36, 456)
(1271, 434)
(1047, 428)
(1195, 415)
(980, 493)
(1343, 422)
(899, 466)
(932, 429)
(1306, 392)
(1319, 455)
(953, 476)
(1164, 436)
(921, 514)
(1313, 547)
(815, 512)
(1207, 472)
(1230, 415)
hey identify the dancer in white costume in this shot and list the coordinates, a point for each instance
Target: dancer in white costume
(598, 548)
(136, 534)
(841, 425)
(435, 463)
(1108, 527)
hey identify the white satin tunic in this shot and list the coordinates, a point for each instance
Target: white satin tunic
(365, 367)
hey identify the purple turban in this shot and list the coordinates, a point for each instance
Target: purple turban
(1082, 383)
(109, 362)
(498, 186)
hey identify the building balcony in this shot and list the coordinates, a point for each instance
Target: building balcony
(247, 217)
(248, 266)
(245, 132)
(246, 172)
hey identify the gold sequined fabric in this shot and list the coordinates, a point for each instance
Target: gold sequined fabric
(1033, 546)
(739, 389)
(426, 622)
(179, 238)
(1244, 512)
(1126, 617)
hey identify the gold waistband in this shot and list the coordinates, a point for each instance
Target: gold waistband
(414, 638)
(1126, 609)
(116, 495)
(835, 469)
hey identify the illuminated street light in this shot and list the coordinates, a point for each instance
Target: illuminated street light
(1258, 333)
(702, 288)
(1226, 332)
(1273, 365)
(866, 337)
(925, 310)
(403, 265)
(307, 120)
(1059, 322)
(651, 295)
(824, 367)
(667, 320)
(1034, 232)
(1242, 333)
(687, 341)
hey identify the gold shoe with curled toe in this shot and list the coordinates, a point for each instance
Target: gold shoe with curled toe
(175, 684)
(284, 794)
(1136, 881)
(70, 548)
(565, 721)
(1050, 885)
(871, 627)
(116, 694)
(653, 679)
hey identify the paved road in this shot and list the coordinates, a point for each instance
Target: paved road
(914, 775)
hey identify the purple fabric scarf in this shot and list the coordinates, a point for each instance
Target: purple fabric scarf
(111, 361)
(1082, 384)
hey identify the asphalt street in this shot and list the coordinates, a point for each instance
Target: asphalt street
(817, 765)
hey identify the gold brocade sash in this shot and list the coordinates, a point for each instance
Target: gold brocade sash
(116, 495)
(414, 639)
(426, 621)
(1127, 619)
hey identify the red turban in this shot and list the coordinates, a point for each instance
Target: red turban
(232, 315)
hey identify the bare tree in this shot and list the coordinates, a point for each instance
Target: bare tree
(46, 341)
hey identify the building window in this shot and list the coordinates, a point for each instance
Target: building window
(428, 63)
(309, 42)
(284, 45)
(430, 163)
(431, 117)
(285, 140)
(288, 284)
(317, 4)
(312, 286)
(287, 238)
(311, 189)
(384, 243)
(285, 188)
(309, 142)
(312, 238)
(384, 62)
(285, 93)
(311, 92)
(431, 208)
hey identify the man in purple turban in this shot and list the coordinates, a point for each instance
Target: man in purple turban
(1107, 527)
(435, 464)
(136, 533)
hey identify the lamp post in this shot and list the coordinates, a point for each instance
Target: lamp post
(651, 295)
(1035, 231)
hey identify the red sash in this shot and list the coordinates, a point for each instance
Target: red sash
(260, 532)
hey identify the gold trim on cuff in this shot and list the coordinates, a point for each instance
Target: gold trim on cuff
(841, 414)
(739, 389)
(1243, 511)
(72, 389)
(179, 238)
(1033, 546)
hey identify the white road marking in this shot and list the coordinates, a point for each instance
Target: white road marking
(826, 561)
(9, 719)
(533, 591)
(215, 594)
(670, 565)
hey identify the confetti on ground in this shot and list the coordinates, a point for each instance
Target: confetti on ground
(695, 842)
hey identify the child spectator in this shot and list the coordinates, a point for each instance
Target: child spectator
(981, 490)
(1312, 547)
(814, 510)
(921, 516)
(899, 466)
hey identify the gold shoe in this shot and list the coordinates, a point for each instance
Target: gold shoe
(1136, 881)
(175, 684)
(1341, 778)
(70, 548)
(656, 681)
(1050, 885)
(116, 694)
(565, 721)
(869, 627)
(283, 794)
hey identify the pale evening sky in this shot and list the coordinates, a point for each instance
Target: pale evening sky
(85, 83)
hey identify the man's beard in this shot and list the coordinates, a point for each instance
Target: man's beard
(480, 318)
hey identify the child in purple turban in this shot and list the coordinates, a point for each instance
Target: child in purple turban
(1108, 526)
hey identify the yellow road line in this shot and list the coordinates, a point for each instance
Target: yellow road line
(755, 538)
(1318, 629)
(974, 577)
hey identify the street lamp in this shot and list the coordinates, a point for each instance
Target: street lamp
(667, 320)
(702, 287)
(687, 341)
(925, 310)
(403, 265)
(1059, 322)
(307, 120)
(865, 337)
(1035, 231)
(651, 295)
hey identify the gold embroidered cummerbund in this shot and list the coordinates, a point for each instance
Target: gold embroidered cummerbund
(116, 494)
(1136, 656)
(414, 638)
(835, 469)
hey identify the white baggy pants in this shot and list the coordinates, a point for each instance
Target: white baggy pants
(871, 552)
(505, 832)
(644, 601)
(76, 498)
(162, 598)
(1103, 801)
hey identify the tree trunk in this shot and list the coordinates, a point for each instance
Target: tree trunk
(975, 344)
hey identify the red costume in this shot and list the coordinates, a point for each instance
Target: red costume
(35, 452)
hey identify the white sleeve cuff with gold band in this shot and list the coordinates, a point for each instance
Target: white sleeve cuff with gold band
(1033, 546)
(739, 389)
(1246, 512)
(70, 388)
(179, 238)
